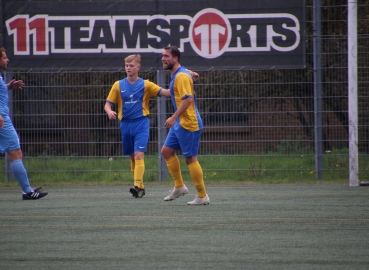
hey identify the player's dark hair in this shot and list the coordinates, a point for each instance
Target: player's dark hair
(2, 49)
(174, 51)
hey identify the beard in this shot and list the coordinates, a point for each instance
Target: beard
(169, 66)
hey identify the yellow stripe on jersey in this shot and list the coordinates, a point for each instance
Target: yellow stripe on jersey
(115, 97)
(151, 90)
(183, 86)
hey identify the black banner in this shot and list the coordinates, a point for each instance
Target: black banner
(214, 34)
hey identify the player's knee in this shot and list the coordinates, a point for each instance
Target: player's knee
(190, 160)
(167, 152)
(15, 154)
(139, 155)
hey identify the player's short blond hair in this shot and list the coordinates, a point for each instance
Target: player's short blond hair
(133, 57)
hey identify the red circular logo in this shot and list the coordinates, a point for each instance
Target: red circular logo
(210, 33)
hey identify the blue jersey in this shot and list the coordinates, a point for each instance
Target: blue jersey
(8, 136)
(132, 98)
(4, 107)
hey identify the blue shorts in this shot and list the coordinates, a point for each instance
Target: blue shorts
(9, 139)
(135, 135)
(181, 139)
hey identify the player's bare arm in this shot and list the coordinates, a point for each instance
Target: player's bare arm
(165, 92)
(181, 109)
(112, 115)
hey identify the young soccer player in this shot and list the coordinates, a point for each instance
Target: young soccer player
(132, 96)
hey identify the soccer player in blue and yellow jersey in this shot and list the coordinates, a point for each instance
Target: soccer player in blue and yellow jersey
(185, 129)
(9, 141)
(132, 96)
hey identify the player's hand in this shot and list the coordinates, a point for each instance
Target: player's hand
(1, 122)
(170, 122)
(195, 76)
(112, 115)
(15, 85)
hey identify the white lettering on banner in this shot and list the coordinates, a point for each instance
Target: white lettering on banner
(210, 33)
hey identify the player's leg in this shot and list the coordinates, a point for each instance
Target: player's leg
(20, 173)
(128, 149)
(190, 142)
(132, 163)
(198, 180)
(196, 175)
(140, 131)
(9, 142)
(138, 189)
(139, 170)
(18, 169)
(174, 167)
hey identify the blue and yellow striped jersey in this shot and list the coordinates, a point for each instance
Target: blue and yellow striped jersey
(181, 87)
(132, 99)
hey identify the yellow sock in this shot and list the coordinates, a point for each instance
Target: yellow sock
(197, 178)
(139, 173)
(174, 168)
(133, 168)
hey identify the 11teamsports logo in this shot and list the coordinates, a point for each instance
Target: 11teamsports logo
(210, 33)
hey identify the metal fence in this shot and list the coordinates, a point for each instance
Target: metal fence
(259, 124)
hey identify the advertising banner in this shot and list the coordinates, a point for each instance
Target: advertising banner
(217, 34)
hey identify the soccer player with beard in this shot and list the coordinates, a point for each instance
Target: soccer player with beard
(185, 129)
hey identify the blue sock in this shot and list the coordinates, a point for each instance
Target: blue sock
(21, 174)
